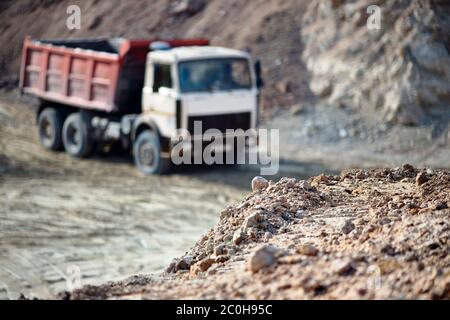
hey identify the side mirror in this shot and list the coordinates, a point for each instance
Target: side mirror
(258, 71)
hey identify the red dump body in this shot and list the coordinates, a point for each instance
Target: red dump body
(100, 74)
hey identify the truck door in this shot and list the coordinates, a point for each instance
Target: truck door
(159, 97)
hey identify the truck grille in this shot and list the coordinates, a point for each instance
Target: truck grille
(221, 122)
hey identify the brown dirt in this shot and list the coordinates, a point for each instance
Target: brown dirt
(360, 235)
(309, 49)
(99, 215)
(271, 32)
(363, 234)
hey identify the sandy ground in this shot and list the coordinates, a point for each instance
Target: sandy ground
(99, 216)
(340, 138)
(102, 218)
(379, 234)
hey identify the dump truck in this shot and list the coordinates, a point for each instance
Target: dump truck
(138, 93)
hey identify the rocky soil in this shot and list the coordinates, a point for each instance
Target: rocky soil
(367, 234)
(99, 216)
(363, 234)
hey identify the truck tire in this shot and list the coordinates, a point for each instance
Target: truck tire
(50, 123)
(147, 154)
(76, 139)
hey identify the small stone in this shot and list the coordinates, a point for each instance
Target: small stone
(189, 7)
(290, 182)
(361, 175)
(252, 233)
(305, 185)
(343, 267)
(441, 205)
(211, 271)
(171, 267)
(225, 213)
(204, 238)
(421, 178)
(202, 266)
(389, 250)
(238, 236)
(362, 291)
(219, 250)
(286, 216)
(184, 263)
(322, 178)
(252, 220)
(222, 258)
(259, 183)
(228, 238)
(299, 214)
(267, 235)
(243, 205)
(407, 167)
(262, 257)
(291, 259)
(307, 250)
(347, 226)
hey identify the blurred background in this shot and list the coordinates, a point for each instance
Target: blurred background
(342, 94)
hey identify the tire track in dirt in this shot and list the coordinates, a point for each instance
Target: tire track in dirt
(99, 215)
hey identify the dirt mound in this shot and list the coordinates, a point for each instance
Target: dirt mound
(270, 31)
(402, 69)
(364, 234)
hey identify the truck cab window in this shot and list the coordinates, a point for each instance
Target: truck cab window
(222, 74)
(162, 77)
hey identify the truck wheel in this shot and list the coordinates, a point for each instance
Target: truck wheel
(147, 154)
(50, 123)
(76, 139)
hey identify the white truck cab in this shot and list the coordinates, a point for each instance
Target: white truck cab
(214, 86)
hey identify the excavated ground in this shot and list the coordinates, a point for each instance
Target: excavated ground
(373, 234)
(98, 216)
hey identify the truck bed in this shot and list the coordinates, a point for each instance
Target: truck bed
(98, 74)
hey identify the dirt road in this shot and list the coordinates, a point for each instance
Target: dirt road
(99, 217)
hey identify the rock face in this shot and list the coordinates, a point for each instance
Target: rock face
(401, 69)
(270, 31)
(308, 48)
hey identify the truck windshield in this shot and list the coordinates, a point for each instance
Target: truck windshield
(214, 75)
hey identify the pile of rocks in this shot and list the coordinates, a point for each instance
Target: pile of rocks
(365, 234)
(269, 210)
